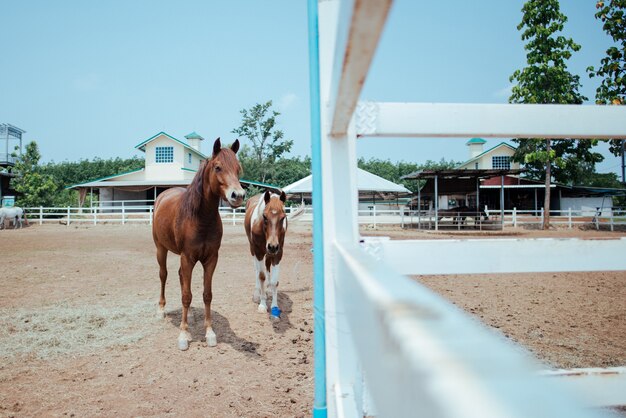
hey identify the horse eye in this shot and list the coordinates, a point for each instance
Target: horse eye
(218, 168)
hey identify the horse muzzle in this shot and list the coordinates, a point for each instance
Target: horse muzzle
(235, 198)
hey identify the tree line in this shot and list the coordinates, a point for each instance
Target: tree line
(544, 80)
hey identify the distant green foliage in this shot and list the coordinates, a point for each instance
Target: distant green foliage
(282, 172)
(33, 185)
(546, 80)
(44, 185)
(268, 145)
(68, 173)
(394, 171)
(612, 89)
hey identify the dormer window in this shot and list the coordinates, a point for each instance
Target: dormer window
(164, 154)
(189, 158)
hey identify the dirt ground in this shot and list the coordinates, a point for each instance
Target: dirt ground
(79, 334)
(259, 368)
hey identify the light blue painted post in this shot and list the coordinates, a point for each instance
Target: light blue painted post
(319, 337)
(68, 216)
(40, 215)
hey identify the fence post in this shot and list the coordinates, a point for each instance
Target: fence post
(95, 216)
(374, 216)
(402, 218)
(68, 215)
(233, 217)
(40, 215)
(611, 219)
(569, 218)
(151, 207)
(541, 223)
(514, 217)
(123, 214)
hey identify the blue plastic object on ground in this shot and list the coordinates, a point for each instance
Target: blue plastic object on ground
(276, 311)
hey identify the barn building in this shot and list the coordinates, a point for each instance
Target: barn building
(495, 181)
(169, 162)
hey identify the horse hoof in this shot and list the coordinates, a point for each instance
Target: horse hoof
(275, 312)
(160, 313)
(262, 309)
(211, 340)
(183, 345)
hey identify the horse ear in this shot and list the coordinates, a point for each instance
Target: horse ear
(235, 146)
(283, 196)
(217, 146)
(267, 196)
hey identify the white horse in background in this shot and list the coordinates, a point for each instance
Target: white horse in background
(13, 213)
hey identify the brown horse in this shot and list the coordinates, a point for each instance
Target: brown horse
(187, 222)
(266, 225)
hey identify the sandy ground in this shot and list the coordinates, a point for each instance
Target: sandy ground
(79, 334)
(259, 368)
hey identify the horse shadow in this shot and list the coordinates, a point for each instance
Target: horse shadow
(221, 326)
(286, 305)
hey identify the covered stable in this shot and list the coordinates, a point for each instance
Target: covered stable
(374, 191)
(450, 190)
(502, 189)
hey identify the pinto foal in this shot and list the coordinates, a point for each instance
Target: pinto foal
(187, 222)
(266, 225)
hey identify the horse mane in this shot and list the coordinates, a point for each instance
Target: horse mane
(193, 196)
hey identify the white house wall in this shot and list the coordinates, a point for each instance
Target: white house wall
(165, 171)
(136, 176)
(484, 162)
(587, 206)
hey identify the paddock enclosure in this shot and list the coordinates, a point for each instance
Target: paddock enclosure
(79, 334)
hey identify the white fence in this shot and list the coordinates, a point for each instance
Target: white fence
(124, 212)
(390, 347)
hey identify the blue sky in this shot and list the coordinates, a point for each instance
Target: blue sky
(88, 79)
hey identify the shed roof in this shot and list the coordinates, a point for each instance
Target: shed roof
(194, 135)
(366, 182)
(475, 141)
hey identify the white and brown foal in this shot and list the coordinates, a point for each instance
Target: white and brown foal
(266, 225)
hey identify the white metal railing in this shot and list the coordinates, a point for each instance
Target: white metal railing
(605, 219)
(122, 213)
(402, 217)
(413, 352)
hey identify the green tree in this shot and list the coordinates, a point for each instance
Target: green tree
(612, 89)
(395, 171)
(268, 144)
(546, 80)
(68, 173)
(34, 187)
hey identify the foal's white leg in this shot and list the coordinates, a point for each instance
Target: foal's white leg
(274, 285)
(260, 285)
(256, 296)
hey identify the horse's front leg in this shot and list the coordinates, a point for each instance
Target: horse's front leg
(186, 268)
(209, 268)
(259, 295)
(275, 270)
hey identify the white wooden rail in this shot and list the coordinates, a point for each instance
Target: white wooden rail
(415, 353)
